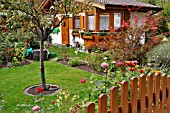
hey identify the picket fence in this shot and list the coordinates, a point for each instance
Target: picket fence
(148, 94)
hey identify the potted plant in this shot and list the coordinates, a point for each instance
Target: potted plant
(75, 32)
(87, 35)
(102, 35)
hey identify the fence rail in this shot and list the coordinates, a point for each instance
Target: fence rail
(148, 94)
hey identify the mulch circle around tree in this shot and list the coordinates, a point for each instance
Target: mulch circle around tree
(52, 89)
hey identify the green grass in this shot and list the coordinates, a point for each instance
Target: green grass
(70, 52)
(14, 80)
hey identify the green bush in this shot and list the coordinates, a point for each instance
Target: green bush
(74, 62)
(160, 55)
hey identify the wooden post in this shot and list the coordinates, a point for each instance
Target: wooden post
(124, 97)
(142, 92)
(90, 108)
(156, 93)
(102, 105)
(149, 93)
(133, 95)
(168, 95)
(114, 100)
(163, 94)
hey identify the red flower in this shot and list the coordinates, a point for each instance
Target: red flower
(83, 80)
(119, 64)
(141, 70)
(74, 111)
(77, 106)
(132, 69)
(39, 89)
(26, 99)
(119, 83)
(131, 63)
(52, 101)
(136, 19)
(128, 63)
(26, 45)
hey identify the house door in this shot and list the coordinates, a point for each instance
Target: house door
(65, 32)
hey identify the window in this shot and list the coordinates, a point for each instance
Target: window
(91, 22)
(117, 21)
(104, 22)
(77, 22)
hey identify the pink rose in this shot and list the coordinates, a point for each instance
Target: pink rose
(83, 80)
(104, 65)
(119, 64)
(36, 108)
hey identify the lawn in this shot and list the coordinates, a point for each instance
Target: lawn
(14, 80)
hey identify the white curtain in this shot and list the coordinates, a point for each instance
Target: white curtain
(104, 22)
(76, 22)
(91, 22)
(117, 20)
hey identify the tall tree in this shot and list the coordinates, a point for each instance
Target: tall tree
(30, 16)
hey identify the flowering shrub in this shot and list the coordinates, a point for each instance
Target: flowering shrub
(134, 38)
(13, 47)
(160, 55)
(95, 59)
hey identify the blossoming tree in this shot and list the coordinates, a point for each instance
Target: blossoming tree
(29, 15)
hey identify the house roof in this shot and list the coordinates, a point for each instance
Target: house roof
(110, 3)
(129, 3)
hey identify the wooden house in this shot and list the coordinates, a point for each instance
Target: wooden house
(107, 15)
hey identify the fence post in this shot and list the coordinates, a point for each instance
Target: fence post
(114, 100)
(142, 93)
(90, 108)
(156, 93)
(124, 97)
(133, 95)
(102, 105)
(149, 93)
(168, 95)
(163, 93)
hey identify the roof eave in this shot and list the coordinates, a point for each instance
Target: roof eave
(131, 6)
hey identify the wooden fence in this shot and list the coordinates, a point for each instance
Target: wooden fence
(149, 94)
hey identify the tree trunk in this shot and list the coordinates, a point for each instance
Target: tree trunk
(42, 73)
